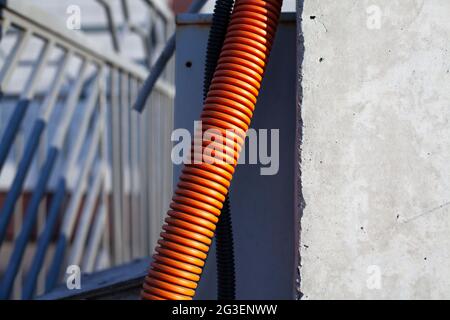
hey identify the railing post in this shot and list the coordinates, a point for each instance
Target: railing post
(124, 141)
(117, 182)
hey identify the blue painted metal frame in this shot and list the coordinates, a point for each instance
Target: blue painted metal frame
(19, 179)
(44, 241)
(28, 224)
(11, 130)
(55, 268)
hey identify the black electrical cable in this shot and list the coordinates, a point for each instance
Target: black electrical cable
(226, 279)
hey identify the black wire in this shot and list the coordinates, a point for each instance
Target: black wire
(226, 279)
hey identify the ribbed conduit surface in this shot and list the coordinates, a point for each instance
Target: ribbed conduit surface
(198, 199)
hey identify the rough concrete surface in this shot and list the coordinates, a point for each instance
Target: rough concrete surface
(375, 106)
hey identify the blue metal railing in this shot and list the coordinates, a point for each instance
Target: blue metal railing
(44, 241)
(30, 149)
(91, 93)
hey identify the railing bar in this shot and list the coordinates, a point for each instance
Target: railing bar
(153, 49)
(152, 136)
(72, 102)
(155, 73)
(152, 201)
(135, 181)
(150, 170)
(111, 24)
(70, 216)
(115, 168)
(83, 224)
(129, 156)
(95, 239)
(143, 160)
(167, 179)
(69, 220)
(125, 166)
(6, 23)
(140, 174)
(140, 187)
(83, 129)
(18, 216)
(17, 221)
(28, 91)
(169, 153)
(160, 159)
(133, 208)
(140, 32)
(161, 40)
(125, 10)
(51, 98)
(104, 169)
(42, 210)
(157, 150)
(134, 233)
(12, 59)
(162, 150)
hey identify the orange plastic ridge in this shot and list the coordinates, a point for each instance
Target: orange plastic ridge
(198, 199)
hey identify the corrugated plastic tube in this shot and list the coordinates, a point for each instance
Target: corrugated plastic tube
(196, 205)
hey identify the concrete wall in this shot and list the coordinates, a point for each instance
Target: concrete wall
(374, 100)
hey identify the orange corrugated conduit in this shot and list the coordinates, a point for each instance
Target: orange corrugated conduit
(200, 193)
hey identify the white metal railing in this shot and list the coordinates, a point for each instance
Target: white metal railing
(110, 166)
